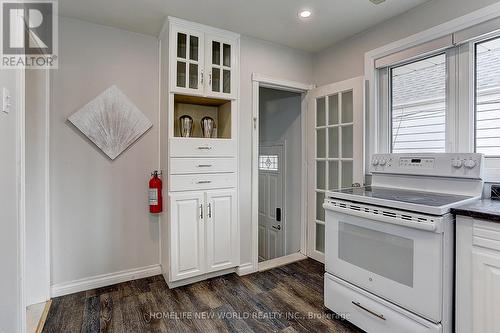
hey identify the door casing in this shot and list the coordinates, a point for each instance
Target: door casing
(259, 80)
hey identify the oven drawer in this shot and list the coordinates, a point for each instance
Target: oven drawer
(202, 182)
(195, 147)
(179, 166)
(371, 313)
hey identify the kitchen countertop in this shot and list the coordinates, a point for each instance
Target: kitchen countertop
(485, 209)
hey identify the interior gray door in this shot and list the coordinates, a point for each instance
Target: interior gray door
(271, 214)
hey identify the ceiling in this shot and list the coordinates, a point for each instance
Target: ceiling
(272, 20)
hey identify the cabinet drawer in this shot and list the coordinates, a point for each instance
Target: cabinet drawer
(486, 234)
(193, 147)
(202, 181)
(371, 313)
(179, 166)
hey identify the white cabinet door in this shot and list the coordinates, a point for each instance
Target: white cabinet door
(187, 60)
(485, 291)
(187, 235)
(222, 250)
(220, 66)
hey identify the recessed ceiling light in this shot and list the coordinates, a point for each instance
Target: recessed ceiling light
(304, 13)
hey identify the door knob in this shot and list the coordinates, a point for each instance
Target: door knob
(277, 227)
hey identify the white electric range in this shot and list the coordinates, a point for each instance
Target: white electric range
(389, 249)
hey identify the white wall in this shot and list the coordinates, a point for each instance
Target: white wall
(272, 60)
(280, 121)
(345, 60)
(100, 221)
(10, 307)
(37, 266)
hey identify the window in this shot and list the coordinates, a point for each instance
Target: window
(439, 96)
(268, 162)
(487, 101)
(418, 106)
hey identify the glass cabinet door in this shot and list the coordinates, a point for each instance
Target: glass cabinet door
(221, 67)
(188, 66)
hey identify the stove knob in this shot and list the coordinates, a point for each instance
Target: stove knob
(457, 164)
(382, 162)
(375, 162)
(469, 164)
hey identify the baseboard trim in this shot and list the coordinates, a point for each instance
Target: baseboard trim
(103, 280)
(281, 261)
(246, 269)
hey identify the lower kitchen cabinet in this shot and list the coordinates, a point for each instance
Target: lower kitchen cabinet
(477, 276)
(203, 233)
(221, 230)
(187, 235)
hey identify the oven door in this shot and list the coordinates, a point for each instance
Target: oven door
(400, 264)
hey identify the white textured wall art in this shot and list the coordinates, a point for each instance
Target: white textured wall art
(111, 121)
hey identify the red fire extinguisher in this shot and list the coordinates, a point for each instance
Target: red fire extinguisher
(155, 195)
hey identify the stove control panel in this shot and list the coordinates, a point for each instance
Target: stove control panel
(429, 164)
(419, 163)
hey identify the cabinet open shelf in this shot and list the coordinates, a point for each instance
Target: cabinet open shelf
(197, 108)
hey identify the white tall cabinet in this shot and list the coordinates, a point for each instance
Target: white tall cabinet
(200, 78)
(477, 300)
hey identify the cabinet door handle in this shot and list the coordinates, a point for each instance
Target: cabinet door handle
(201, 211)
(204, 148)
(201, 76)
(277, 227)
(203, 182)
(204, 165)
(210, 210)
(210, 78)
(368, 310)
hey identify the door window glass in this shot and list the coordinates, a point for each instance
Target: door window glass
(268, 162)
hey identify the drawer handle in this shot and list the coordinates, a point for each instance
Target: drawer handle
(204, 148)
(368, 310)
(204, 182)
(204, 165)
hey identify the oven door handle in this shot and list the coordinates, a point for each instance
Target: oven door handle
(381, 218)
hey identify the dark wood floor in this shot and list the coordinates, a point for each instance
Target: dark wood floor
(286, 299)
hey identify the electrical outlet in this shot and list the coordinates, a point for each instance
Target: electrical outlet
(6, 100)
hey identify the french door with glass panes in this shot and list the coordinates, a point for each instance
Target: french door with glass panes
(335, 126)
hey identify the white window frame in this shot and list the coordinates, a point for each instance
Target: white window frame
(460, 93)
